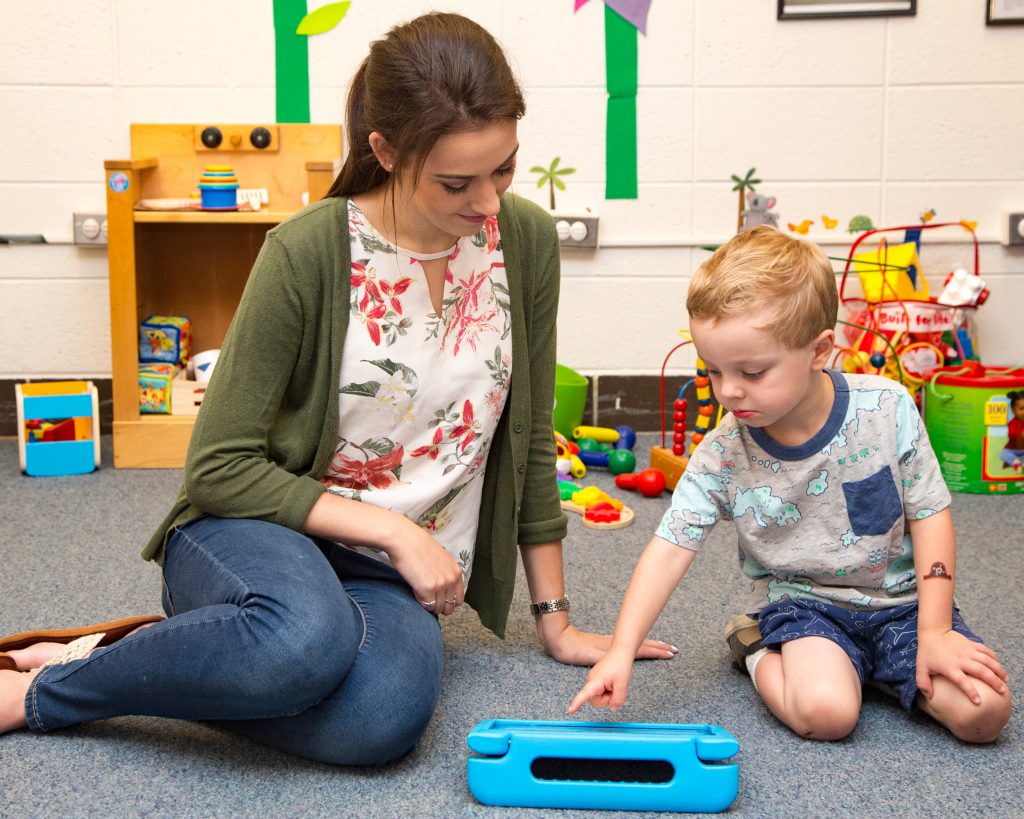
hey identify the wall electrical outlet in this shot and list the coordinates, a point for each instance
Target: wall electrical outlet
(576, 230)
(90, 228)
(1012, 229)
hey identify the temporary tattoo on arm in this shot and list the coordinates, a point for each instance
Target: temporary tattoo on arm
(938, 570)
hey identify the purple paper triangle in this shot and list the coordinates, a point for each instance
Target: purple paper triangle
(634, 11)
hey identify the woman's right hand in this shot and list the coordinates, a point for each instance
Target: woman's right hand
(433, 574)
(435, 577)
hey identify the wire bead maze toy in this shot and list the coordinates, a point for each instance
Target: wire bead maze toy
(896, 328)
(672, 461)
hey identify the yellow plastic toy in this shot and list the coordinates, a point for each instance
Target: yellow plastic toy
(891, 273)
(603, 435)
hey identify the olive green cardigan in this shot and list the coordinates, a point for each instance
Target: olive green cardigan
(268, 426)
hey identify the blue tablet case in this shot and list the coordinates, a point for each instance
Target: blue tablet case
(603, 765)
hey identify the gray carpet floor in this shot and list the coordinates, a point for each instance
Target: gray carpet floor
(69, 556)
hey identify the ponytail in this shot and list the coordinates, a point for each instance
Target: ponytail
(361, 171)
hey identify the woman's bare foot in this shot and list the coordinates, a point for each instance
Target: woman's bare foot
(35, 655)
(13, 688)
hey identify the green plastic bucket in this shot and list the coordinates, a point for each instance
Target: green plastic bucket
(967, 413)
(570, 400)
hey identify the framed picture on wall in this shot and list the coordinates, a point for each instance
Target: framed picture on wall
(817, 9)
(1004, 12)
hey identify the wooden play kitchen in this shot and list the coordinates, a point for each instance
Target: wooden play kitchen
(167, 258)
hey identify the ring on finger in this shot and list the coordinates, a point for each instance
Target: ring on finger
(451, 601)
(431, 605)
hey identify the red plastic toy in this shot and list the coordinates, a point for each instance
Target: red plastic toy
(648, 482)
(602, 513)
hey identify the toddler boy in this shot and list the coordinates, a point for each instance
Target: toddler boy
(845, 535)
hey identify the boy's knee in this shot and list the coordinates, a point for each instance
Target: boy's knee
(981, 723)
(823, 716)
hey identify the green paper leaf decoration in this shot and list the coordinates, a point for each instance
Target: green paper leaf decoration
(550, 176)
(747, 181)
(323, 19)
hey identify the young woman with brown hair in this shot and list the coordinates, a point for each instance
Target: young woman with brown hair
(374, 444)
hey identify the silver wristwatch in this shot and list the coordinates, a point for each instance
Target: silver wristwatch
(548, 606)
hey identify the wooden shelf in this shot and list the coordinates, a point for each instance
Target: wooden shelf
(199, 217)
(192, 263)
(152, 441)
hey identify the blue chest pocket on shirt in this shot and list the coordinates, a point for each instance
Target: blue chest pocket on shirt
(873, 503)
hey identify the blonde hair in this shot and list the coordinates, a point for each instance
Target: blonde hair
(764, 268)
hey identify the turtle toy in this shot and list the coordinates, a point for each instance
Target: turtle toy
(860, 223)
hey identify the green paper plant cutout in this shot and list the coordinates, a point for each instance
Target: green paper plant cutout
(323, 19)
(551, 175)
(622, 20)
(292, 27)
(743, 185)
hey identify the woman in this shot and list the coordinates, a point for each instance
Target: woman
(377, 431)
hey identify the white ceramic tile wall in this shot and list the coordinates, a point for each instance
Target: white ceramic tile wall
(885, 117)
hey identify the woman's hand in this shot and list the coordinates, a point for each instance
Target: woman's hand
(435, 577)
(569, 645)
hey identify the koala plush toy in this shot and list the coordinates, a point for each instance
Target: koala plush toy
(757, 212)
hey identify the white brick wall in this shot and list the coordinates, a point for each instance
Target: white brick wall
(886, 117)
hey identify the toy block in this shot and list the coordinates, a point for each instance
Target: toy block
(155, 392)
(165, 339)
(671, 465)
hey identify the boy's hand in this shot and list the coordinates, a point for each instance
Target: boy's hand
(569, 645)
(607, 683)
(949, 654)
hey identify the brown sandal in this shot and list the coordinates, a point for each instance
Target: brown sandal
(113, 631)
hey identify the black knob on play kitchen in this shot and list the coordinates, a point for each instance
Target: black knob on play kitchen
(212, 137)
(260, 137)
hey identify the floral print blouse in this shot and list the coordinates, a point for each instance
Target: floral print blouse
(422, 392)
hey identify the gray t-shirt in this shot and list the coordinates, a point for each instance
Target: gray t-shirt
(825, 520)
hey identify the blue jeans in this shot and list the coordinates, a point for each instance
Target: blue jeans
(294, 642)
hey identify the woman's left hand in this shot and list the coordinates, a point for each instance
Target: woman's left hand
(569, 645)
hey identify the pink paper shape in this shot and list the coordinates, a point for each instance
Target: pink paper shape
(579, 4)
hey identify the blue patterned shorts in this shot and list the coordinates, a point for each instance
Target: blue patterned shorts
(882, 644)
